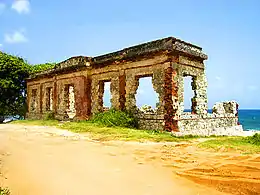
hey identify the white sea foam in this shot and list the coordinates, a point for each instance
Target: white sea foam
(250, 132)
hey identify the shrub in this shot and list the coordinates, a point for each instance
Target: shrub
(113, 117)
(255, 139)
(49, 116)
(4, 191)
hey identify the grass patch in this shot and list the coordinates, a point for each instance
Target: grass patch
(119, 133)
(4, 191)
(37, 122)
(97, 131)
(114, 118)
(103, 133)
(255, 139)
(247, 145)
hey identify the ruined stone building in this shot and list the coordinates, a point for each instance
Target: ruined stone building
(74, 89)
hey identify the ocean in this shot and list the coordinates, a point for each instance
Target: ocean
(249, 119)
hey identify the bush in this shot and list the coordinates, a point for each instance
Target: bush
(113, 118)
(255, 139)
(4, 191)
(49, 116)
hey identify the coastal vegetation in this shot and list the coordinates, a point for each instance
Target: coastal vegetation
(250, 144)
(4, 191)
(117, 125)
(97, 131)
(13, 73)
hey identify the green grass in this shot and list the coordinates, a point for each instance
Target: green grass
(115, 118)
(37, 122)
(246, 145)
(4, 191)
(98, 132)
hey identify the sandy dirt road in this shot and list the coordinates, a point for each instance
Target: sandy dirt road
(41, 161)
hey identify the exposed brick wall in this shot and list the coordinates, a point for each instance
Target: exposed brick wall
(168, 106)
(122, 84)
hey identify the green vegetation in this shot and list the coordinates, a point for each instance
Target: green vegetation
(4, 191)
(250, 144)
(37, 122)
(255, 139)
(98, 132)
(41, 67)
(13, 73)
(49, 116)
(113, 118)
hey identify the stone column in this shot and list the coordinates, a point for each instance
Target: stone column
(200, 100)
(158, 83)
(115, 93)
(97, 96)
(41, 97)
(81, 97)
(180, 81)
(170, 100)
(55, 95)
(122, 91)
(94, 96)
(131, 88)
(62, 100)
(88, 93)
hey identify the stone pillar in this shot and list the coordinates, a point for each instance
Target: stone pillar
(122, 92)
(55, 96)
(115, 93)
(158, 83)
(88, 93)
(95, 90)
(41, 97)
(97, 96)
(82, 105)
(200, 100)
(130, 89)
(180, 81)
(62, 99)
(170, 100)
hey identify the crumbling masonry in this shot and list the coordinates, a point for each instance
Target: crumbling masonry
(74, 89)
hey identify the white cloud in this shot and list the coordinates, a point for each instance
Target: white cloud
(1, 45)
(21, 6)
(252, 87)
(2, 7)
(16, 37)
(140, 91)
(218, 78)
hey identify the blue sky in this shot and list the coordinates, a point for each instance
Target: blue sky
(228, 31)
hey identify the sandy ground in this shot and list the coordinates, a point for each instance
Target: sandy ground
(47, 161)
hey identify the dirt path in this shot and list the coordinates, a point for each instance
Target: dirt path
(47, 161)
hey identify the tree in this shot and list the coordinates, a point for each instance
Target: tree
(13, 72)
(42, 67)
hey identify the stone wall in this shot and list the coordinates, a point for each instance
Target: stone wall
(188, 124)
(151, 121)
